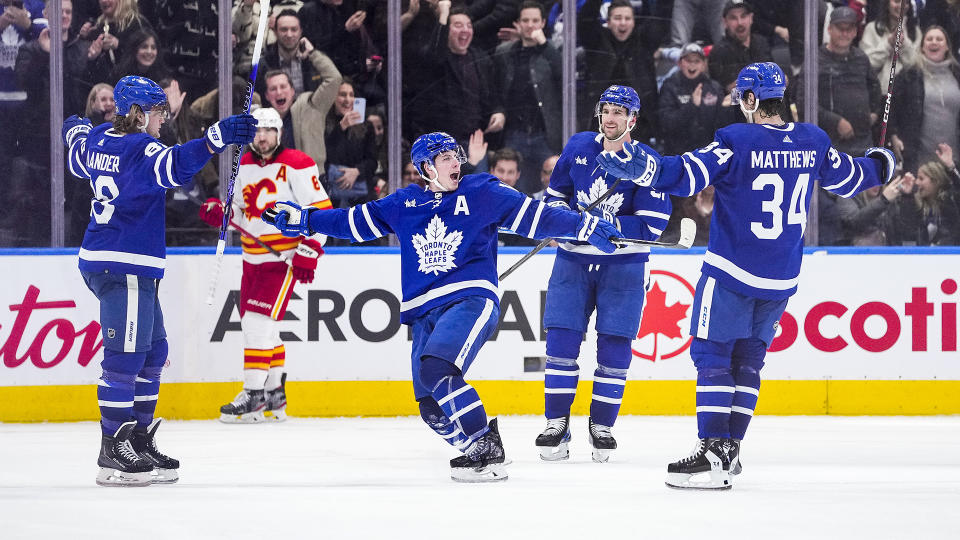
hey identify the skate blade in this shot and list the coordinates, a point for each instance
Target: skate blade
(600, 455)
(276, 415)
(108, 477)
(495, 472)
(164, 476)
(717, 480)
(248, 418)
(555, 453)
(736, 468)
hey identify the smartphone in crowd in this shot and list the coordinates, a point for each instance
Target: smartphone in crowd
(360, 105)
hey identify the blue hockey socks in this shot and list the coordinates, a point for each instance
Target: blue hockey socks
(457, 399)
(715, 387)
(433, 415)
(115, 391)
(609, 379)
(147, 387)
(748, 355)
(562, 372)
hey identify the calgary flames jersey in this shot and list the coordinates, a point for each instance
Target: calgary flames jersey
(290, 176)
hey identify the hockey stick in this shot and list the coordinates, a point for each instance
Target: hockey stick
(543, 243)
(240, 229)
(222, 242)
(904, 6)
(688, 233)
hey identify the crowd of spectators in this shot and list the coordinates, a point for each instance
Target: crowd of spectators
(489, 73)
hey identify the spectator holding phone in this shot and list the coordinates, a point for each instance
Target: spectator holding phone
(290, 54)
(351, 151)
(338, 28)
(118, 21)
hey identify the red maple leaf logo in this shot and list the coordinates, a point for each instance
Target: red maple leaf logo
(661, 319)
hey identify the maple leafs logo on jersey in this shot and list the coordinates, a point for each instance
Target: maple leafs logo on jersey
(599, 187)
(437, 249)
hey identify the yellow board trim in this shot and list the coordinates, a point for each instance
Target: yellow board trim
(190, 401)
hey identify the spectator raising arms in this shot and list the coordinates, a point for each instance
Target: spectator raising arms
(880, 38)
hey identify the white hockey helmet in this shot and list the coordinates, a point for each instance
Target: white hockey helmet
(269, 118)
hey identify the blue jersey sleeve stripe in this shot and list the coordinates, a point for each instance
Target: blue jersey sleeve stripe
(536, 220)
(651, 213)
(845, 180)
(850, 193)
(743, 276)
(353, 225)
(366, 215)
(171, 179)
(156, 168)
(703, 168)
(520, 213)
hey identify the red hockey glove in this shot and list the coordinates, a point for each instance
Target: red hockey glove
(304, 263)
(211, 212)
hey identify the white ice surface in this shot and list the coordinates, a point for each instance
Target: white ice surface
(386, 478)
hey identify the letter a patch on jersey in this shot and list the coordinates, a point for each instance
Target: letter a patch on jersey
(437, 249)
(462, 207)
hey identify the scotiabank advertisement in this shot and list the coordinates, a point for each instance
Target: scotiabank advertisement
(856, 317)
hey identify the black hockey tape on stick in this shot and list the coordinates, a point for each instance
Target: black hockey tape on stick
(904, 6)
(543, 243)
(688, 233)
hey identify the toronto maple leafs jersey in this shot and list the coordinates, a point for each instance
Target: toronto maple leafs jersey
(762, 175)
(448, 240)
(577, 181)
(129, 175)
(290, 175)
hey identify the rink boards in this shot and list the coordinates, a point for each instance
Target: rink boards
(869, 332)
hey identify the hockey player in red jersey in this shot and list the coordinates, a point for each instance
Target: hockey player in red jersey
(268, 173)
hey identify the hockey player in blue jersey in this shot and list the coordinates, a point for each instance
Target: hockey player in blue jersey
(122, 262)
(585, 279)
(448, 257)
(762, 172)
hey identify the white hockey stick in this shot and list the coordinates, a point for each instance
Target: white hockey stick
(222, 242)
(688, 233)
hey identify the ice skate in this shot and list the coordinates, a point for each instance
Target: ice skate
(554, 442)
(120, 465)
(164, 466)
(484, 461)
(246, 408)
(602, 442)
(707, 467)
(276, 410)
(735, 467)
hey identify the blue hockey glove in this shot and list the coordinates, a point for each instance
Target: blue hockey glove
(605, 214)
(598, 232)
(237, 129)
(74, 126)
(289, 218)
(886, 158)
(632, 163)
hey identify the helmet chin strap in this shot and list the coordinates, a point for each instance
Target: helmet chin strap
(435, 181)
(146, 122)
(749, 112)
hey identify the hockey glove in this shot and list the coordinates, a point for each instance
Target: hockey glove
(290, 218)
(74, 126)
(211, 212)
(598, 232)
(236, 129)
(605, 214)
(632, 163)
(887, 160)
(304, 263)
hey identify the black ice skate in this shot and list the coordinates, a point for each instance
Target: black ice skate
(735, 467)
(707, 467)
(276, 410)
(484, 460)
(120, 465)
(602, 442)
(246, 408)
(554, 442)
(164, 466)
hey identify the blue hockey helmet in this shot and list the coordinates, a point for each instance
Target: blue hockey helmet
(623, 96)
(765, 79)
(135, 90)
(426, 147)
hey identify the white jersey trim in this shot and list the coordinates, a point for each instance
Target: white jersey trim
(788, 127)
(651, 213)
(536, 220)
(706, 305)
(123, 257)
(555, 193)
(366, 216)
(520, 213)
(590, 250)
(743, 276)
(133, 314)
(474, 332)
(433, 294)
